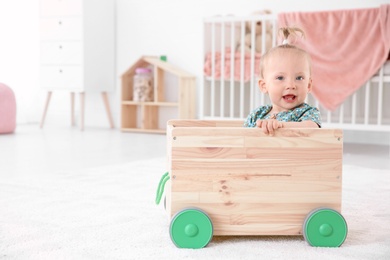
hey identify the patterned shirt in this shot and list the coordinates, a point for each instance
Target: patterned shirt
(301, 113)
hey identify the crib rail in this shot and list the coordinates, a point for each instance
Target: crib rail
(224, 35)
(232, 94)
(365, 110)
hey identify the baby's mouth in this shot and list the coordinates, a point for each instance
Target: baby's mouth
(289, 98)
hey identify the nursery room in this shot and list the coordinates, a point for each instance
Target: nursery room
(128, 129)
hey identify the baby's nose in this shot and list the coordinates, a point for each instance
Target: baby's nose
(290, 84)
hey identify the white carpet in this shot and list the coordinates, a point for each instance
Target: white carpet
(109, 213)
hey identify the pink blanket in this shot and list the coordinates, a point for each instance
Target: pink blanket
(227, 70)
(347, 47)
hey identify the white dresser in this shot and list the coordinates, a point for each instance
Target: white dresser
(77, 50)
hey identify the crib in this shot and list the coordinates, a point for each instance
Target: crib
(229, 87)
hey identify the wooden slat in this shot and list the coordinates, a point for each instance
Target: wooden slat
(265, 208)
(244, 137)
(257, 229)
(218, 129)
(267, 170)
(319, 141)
(128, 121)
(159, 86)
(209, 152)
(331, 152)
(165, 66)
(308, 200)
(222, 138)
(271, 197)
(265, 185)
(256, 166)
(257, 197)
(186, 93)
(150, 118)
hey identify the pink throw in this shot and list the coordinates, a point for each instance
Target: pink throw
(347, 47)
(227, 70)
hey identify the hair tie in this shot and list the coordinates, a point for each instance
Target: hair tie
(284, 42)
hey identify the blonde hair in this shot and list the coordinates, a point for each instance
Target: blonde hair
(289, 34)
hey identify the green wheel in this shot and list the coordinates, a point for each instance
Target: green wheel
(325, 228)
(191, 228)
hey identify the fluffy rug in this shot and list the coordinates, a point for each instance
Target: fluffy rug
(109, 213)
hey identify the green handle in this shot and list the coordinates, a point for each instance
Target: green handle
(160, 188)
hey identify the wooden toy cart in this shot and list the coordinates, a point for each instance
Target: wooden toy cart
(224, 179)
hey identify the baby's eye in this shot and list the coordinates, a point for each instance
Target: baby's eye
(300, 78)
(279, 77)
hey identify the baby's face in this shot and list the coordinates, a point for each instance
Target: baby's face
(286, 79)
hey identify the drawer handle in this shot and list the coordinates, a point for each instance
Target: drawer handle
(60, 71)
(60, 22)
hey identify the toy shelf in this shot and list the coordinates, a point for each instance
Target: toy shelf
(140, 116)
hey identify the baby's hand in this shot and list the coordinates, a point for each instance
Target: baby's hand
(269, 126)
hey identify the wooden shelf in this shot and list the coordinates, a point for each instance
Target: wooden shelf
(149, 112)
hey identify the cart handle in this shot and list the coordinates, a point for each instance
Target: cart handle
(160, 188)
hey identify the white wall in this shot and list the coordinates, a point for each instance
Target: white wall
(19, 54)
(144, 27)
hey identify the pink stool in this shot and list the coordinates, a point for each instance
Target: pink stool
(7, 110)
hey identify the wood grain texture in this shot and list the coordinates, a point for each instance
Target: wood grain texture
(250, 183)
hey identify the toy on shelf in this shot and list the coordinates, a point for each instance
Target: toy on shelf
(224, 179)
(143, 85)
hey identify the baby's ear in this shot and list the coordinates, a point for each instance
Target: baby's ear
(262, 86)
(310, 86)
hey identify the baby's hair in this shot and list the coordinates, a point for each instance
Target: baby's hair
(287, 33)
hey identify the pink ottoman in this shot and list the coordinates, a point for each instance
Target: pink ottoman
(7, 110)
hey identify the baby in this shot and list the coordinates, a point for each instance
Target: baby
(285, 74)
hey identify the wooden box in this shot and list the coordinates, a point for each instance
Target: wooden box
(249, 183)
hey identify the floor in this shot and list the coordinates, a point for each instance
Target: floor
(42, 151)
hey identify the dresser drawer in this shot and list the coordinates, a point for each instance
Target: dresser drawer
(61, 53)
(62, 77)
(61, 28)
(61, 7)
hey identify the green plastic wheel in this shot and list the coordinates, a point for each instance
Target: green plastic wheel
(325, 228)
(191, 228)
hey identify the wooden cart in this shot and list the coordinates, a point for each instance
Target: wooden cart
(224, 179)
